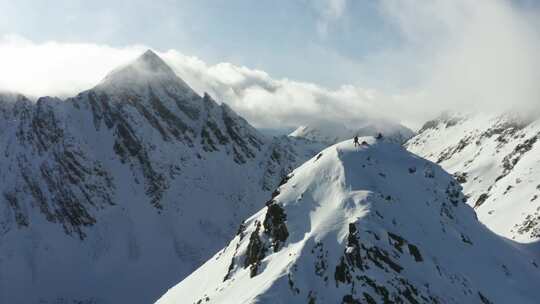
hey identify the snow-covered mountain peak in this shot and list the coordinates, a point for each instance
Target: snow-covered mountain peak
(150, 61)
(138, 175)
(367, 224)
(147, 71)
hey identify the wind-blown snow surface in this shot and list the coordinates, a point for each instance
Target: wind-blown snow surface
(332, 133)
(374, 224)
(116, 194)
(497, 159)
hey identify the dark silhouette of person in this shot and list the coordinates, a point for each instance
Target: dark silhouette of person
(355, 140)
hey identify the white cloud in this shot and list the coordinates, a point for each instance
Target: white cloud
(454, 54)
(474, 54)
(64, 69)
(271, 103)
(55, 68)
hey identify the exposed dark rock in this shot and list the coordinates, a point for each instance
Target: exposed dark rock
(396, 241)
(461, 177)
(415, 252)
(244, 142)
(222, 139)
(255, 252)
(510, 160)
(207, 142)
(380, 258)
(466, 239)
(451, 151)
(352, 252)
(342, 273)
(454, 193)
(531, 224)
(481, 200)
(20, 218)
(432, 124)
(312, 299)
(321, 260)
(349, 299)
(285, 179)
(274, 225)
(290, 280)
(484, 299)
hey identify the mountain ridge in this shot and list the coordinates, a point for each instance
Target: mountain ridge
(136, 175)
(368, 224)
(494, 156)
(332, 133)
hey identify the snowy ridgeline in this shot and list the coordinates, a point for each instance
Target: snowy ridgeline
(369, 224)
(332, 133)
(117, 194)
(497, 160)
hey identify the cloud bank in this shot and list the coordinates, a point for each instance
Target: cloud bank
(270, 103)
(452, 55)
(480, 54)
(64, 69)
(57, 68)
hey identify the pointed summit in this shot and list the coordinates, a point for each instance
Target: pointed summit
(147, 69)
(149, 54)
(150, 61)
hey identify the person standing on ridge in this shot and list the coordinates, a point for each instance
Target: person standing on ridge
(355, 140)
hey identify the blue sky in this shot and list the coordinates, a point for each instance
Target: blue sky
(318, 41)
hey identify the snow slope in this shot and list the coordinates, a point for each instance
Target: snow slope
(332, 133)
(374, 224)
(496, 158)
(114, 195)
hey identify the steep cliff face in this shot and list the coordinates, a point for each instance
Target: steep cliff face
(136, 176)
(369, 224)
(495, 157)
